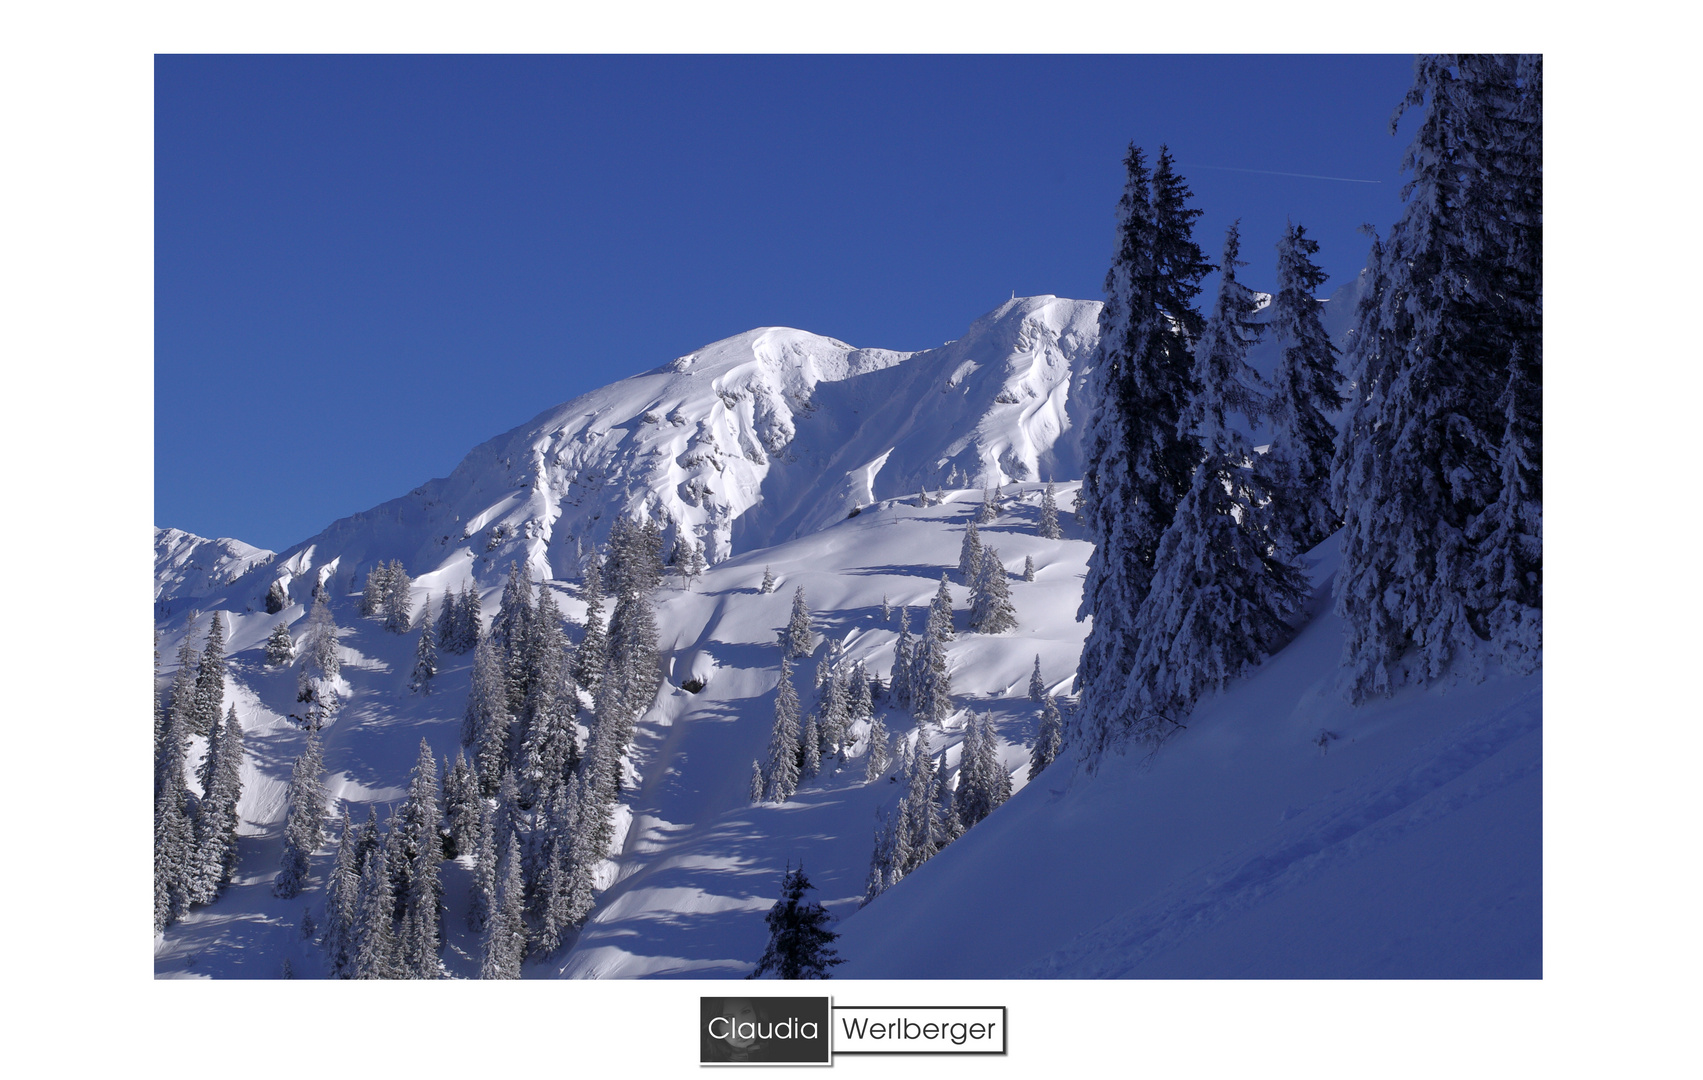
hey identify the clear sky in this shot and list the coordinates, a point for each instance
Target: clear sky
(365, 266)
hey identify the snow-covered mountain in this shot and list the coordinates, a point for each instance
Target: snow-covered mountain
(1398, 838)
(187, 566)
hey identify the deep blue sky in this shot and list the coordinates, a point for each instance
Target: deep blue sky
(367, 265)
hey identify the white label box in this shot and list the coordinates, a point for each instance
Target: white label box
(919, 1029)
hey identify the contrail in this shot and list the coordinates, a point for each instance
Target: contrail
(1270, 172)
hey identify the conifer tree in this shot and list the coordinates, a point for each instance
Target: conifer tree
(1037, 685)
(1296, 469)
(810, 740)
(879, 757)
(376, 952)
(989, 510)
(903, 676)
(484, 898)
(376, 589)
(983, 783)
(1047, 737)
(1220, 594)
(280, 646)
(1028, 568)
(798, 639)
(1049, 529)
(754, 790)
(780, 778)
(418, 845)
(692, 564)
(505, 935)
(800, 943)
(322, 660)
(210, 680)
(425, 654)
(990, 605)
(1458, 289)
(1140, 455)
(886, 609)
(471, 625)
(216, 824)
(398, 599)
(342, 902)
(461, 804)
(931, 683)
(970, 555)
(591, 656)
(768, 585)
(485, 727)
(940, 612)
(304, 828)
(921, 812)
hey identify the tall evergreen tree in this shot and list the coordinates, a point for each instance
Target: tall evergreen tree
(376, 953)
(931, 683)
(377, 587)
(485, 879)
(800, 943)
(304, 828)
(398, 599)
(1296, 469)
(343, 902)
(418, 846)
(991, 611)
(1454, 303)
(798, 639)
(983, 783)
(970, 555)
(940, 612)
(591, 656)
(1220, 594)
(280, 646)
(1049, 528)
(768, 585)
(505, 935)
(485, 727)
(904, 649)
(1047, 737)
(210, 680)
(425, 653)
(989, 510)
(879, 757)
(216, 824)
(321, 662)
(1141, 456)
(1037, 685)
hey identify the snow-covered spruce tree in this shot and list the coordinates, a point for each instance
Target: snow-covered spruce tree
(417, 842)
(797, 639)
(425, 653)
(1458, 303)
(471, 625)
(768, 585)
(216, 824)
(940, 612)
(969, 555)
(484, 892)
(860, 700)
(1140, 456)
(485, 727)
(591, 655)
(810, 747)
(1510, 535)
(904, 651)
(990, 603)
(343, 903)
(1296, 469)
(886, 609)
(505, 935)
(210, 680)
(1048, 528)
(692, 563)
(754, 790)
(321, 662)
(924, 834)
(373, 594)
(511, 632)
(398, 599)
(983, 783)
(377, 955)
(989, 510)
(800, 944)
(1037, 685)
(304, 827)
(1028, 568)
(634, 663)
(931, 683)
(1220, 594)
(780, 778)
(280, 646)
(461, 805)
(1047, 737)
(547, 733)
(879, 756)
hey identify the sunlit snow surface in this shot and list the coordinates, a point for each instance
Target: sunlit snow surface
(1282, 834)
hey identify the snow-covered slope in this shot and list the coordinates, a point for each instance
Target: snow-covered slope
(187, 566)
